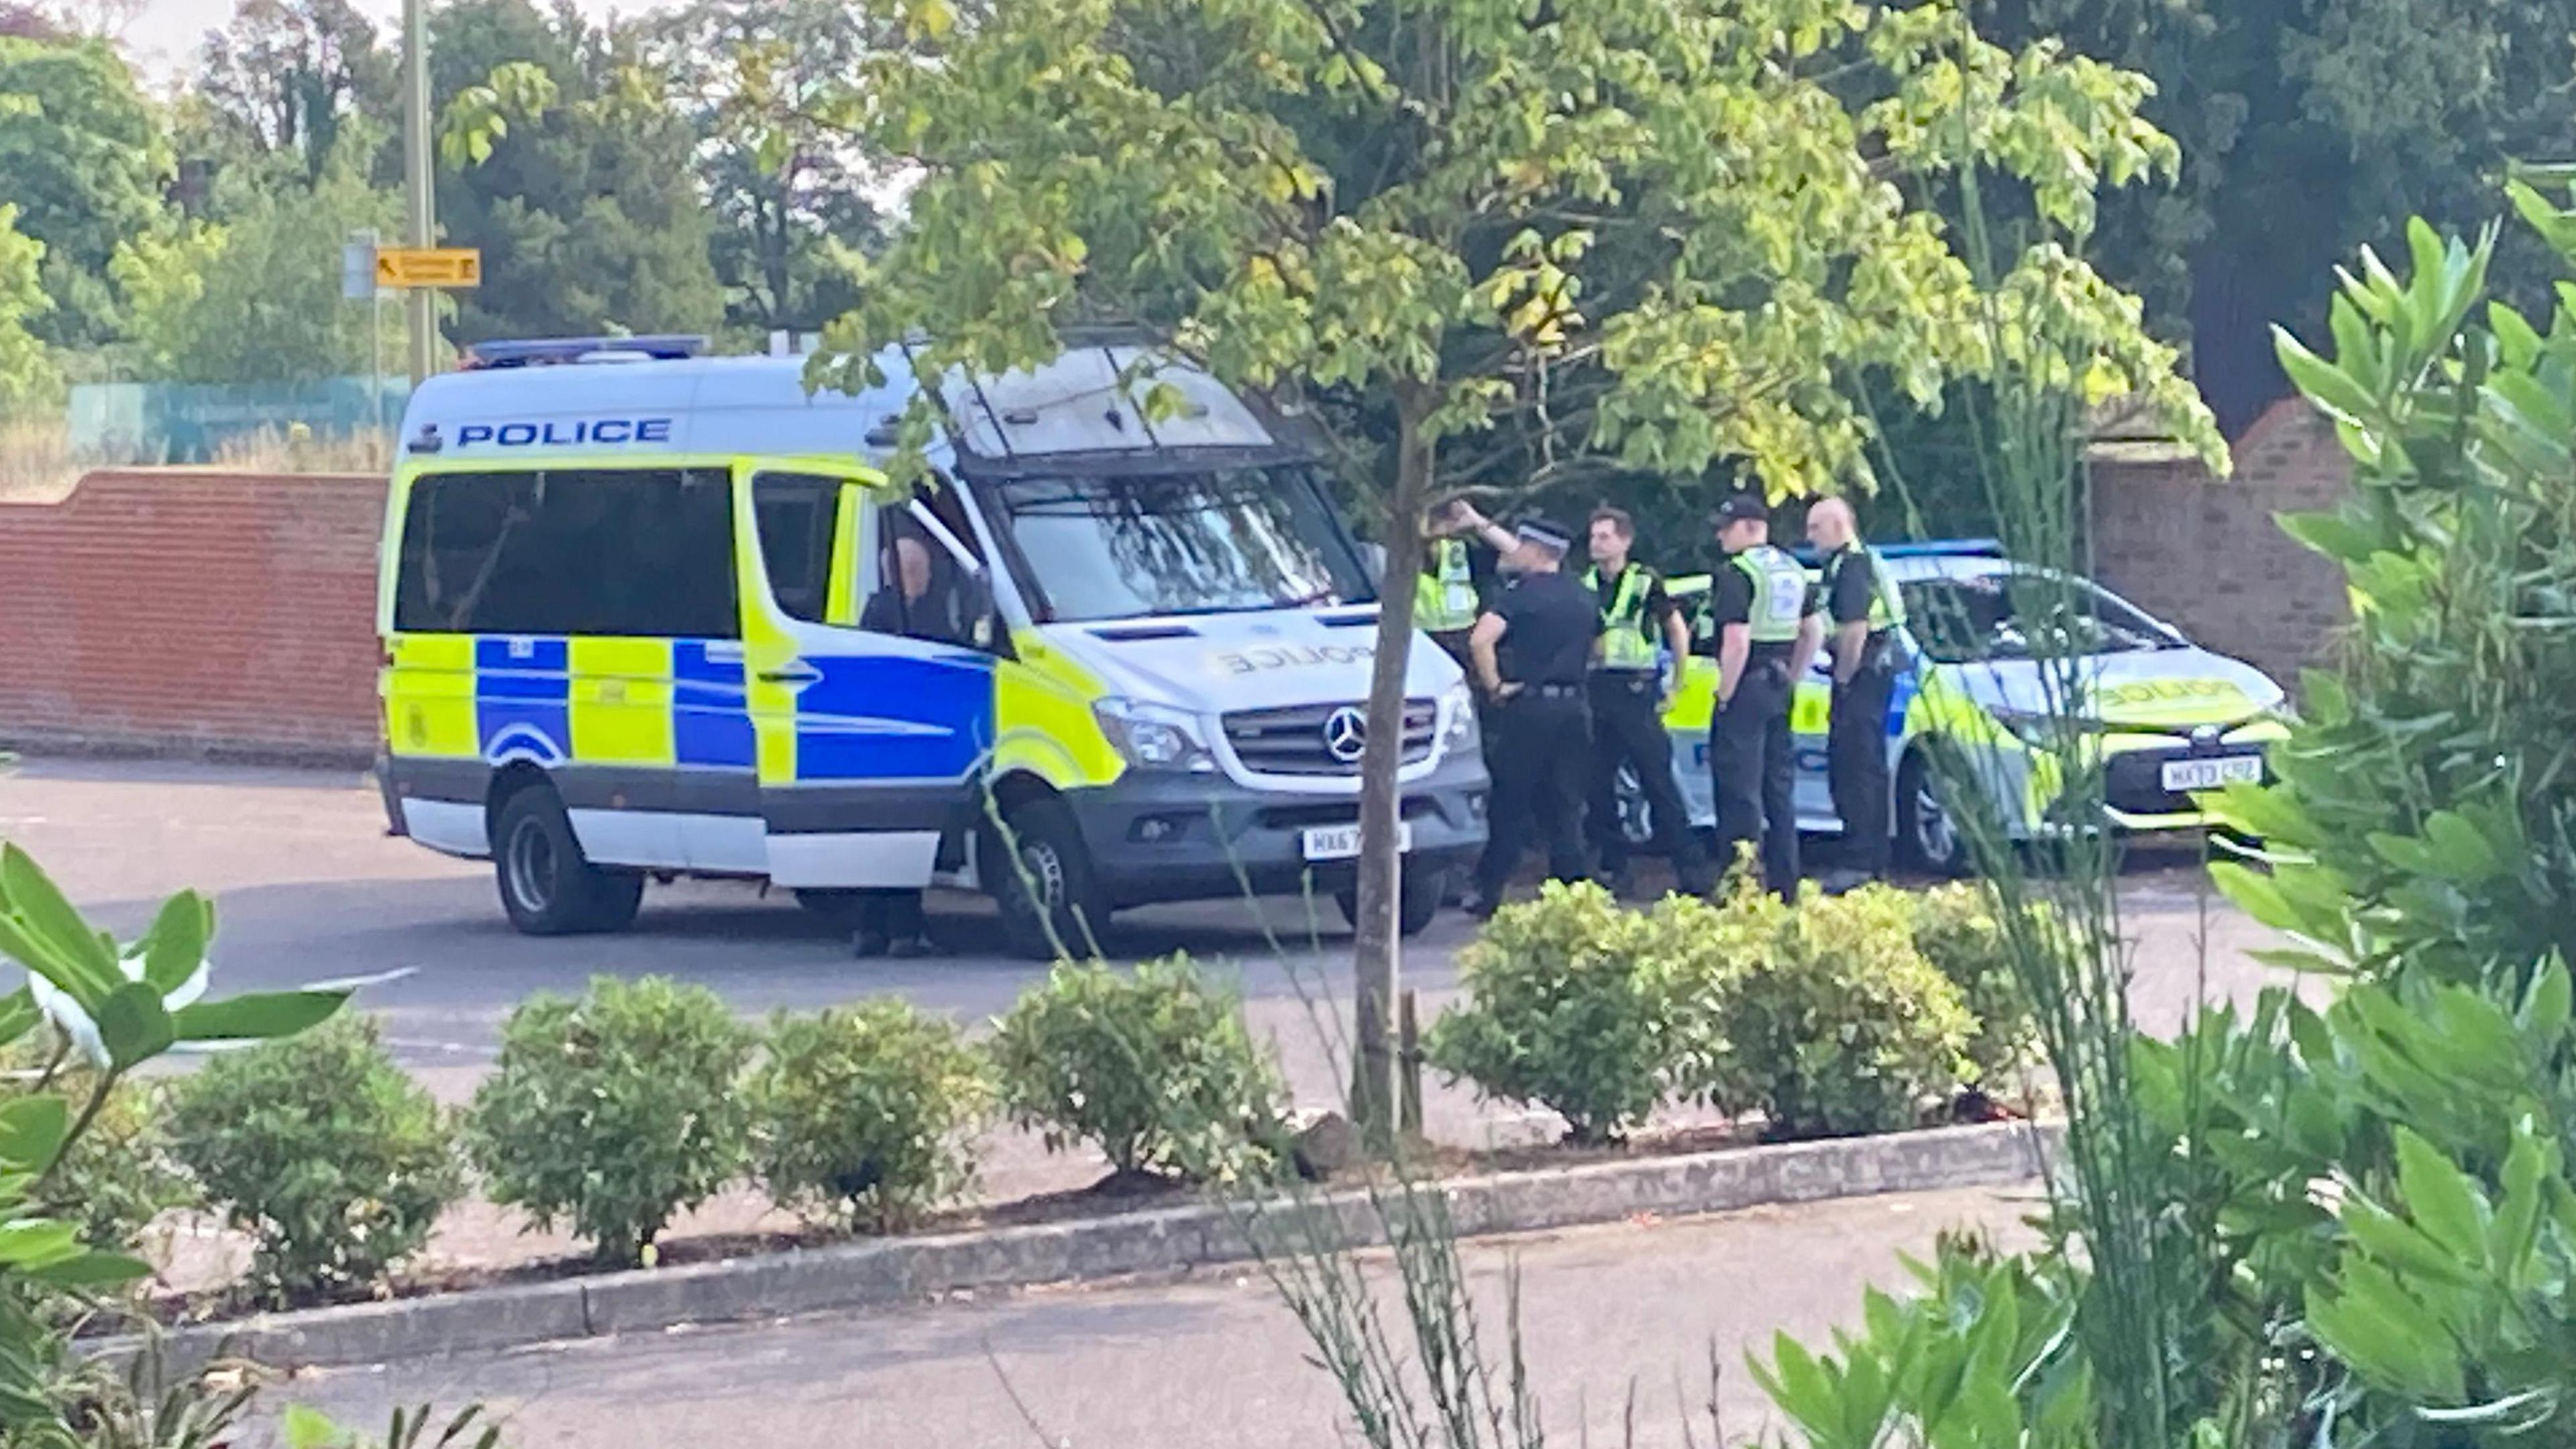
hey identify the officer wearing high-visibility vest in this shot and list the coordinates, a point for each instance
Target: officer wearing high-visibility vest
(1445, 598)
(1866, 610)
(1767, 633)
(1631, 687)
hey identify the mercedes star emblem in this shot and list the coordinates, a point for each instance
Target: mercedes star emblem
(1346, 735)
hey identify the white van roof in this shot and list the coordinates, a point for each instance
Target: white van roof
(1069, 408)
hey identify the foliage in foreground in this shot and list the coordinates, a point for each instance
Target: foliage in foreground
(1155, 1067)
(1820, 1016)
(614, 1111)
(119, 1175)
(1566, 1008)
(328, 1154)
(1824, 1019)
(117, 1007)
(866, 1115)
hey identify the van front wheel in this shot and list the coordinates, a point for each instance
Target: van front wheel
(1038, 872)
(548, 887)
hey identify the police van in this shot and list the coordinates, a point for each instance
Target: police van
(2167, 720)
(650, 614)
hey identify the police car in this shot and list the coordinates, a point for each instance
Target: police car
(648, 614)
(2168, 720)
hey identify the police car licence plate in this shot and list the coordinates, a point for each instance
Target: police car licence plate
(1342, 842)
(2185, 776)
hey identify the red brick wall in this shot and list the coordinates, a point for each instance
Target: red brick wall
(192, 611)
(2206, 553)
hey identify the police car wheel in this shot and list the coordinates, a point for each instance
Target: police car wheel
(548, 887)
(1417, 905)
(1049, 903)
(1928, 837)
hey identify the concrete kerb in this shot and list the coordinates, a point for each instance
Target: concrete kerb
(886, 1271)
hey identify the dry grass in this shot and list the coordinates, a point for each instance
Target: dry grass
(38, 464)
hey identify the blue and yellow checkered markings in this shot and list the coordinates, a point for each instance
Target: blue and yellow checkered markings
(523, 699)
(895, 717)
(710, 710)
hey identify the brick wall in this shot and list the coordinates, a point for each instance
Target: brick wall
(2205, 553)
(192, 611)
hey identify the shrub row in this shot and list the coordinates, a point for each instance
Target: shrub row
(614, 1112)
(1843, 1015)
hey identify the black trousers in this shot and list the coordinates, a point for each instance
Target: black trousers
(1538, 754)
(1856, 755)
(1627, 729)
(1755, 769)
(893, 914)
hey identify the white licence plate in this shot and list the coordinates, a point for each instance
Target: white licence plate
(1342, 842)
(2184, 776)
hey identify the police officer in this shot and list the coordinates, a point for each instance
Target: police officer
(1862, 600)
(1444, 595)
(1533, 648)
(1767, 633)
(1630, 690)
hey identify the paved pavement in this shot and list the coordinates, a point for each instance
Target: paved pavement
(311, 889)
(1214, 1362)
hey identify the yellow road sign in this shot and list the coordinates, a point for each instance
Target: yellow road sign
(429, 267)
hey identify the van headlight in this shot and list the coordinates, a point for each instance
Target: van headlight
(1459, 706)
(1152, 736)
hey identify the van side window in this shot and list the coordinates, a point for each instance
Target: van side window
(798, 515)
(634, 552)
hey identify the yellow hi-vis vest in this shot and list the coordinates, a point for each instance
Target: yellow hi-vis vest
(1779, 593)
(1444, 597)
(1626, 640)
(1886, 604)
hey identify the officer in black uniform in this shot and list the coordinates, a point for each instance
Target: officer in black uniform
(1532, 648)
(1631, 688)
(1767, 633)
(1865, 610)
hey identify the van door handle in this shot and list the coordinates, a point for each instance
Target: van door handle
(798, 672)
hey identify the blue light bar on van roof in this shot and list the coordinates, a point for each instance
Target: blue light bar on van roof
(553, 351)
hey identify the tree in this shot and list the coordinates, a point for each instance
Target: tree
(1655, 233)
(584, 203)
(287, 75)
(27, 375)
(85, 159)
(2344, 115)
(255, 296)
(759, 82)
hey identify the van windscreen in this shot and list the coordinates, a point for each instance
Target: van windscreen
(632, 552)
(1093, 549)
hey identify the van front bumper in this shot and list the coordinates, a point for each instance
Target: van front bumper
(1202, 837)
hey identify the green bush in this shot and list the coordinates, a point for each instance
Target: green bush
(1156, 1067)
(1565, 1007)
(1823, 1017)
(332, 1158)
(1956, 930)
(867, 1115)
(118, 1176)
(615, 1111)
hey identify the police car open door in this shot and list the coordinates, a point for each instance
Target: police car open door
(871, 694)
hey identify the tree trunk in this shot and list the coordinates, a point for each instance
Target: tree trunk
(1381, 865)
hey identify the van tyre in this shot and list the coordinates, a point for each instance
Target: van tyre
(1417, 903)
(548, 887)
(1049, 898)
(1928, 836)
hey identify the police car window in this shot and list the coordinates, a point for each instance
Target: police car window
(798, 517)
(1972, 619)
(635, 552)
(1091, 549)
